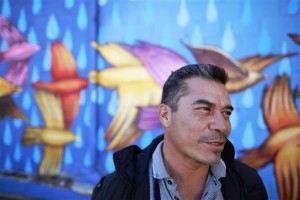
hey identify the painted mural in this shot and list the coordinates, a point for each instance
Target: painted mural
(80, 79)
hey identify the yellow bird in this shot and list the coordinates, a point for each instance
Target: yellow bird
(7, 105)
(282, 146)
(136, 89)
(53, 136)
(242, 73)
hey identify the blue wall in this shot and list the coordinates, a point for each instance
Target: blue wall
(241, 28)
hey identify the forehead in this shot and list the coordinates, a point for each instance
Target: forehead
(210, 90)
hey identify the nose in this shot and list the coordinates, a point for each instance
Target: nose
(220, 124)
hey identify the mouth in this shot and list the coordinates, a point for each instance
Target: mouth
(215, 145)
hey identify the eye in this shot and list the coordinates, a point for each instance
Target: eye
(227, 113)
(204, 109)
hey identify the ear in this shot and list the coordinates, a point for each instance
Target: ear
(164, 115)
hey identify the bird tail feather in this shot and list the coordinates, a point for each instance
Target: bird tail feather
(31, 136)
(51, 162)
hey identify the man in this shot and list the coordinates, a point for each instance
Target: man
(194, 159)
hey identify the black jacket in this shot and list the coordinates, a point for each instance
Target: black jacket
(131, 178)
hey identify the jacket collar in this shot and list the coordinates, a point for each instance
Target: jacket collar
(132, 162)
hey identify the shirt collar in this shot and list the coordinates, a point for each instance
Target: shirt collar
(159, 171)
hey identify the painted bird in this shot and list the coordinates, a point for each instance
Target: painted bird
(54, 136)
(138, 73)
(59, 103)
(66, 82)
(17, 54)
(282, 146)
(242, 73)
(7, 105)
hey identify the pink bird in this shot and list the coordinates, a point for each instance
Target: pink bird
(17, 54)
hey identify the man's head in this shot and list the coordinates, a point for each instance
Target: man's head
(175, 86)
(195, 112)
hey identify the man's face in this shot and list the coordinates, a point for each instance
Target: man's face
(197, 131)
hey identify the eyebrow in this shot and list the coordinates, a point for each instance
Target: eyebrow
(210, 104)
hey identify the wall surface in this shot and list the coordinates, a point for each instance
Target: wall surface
(61, 76)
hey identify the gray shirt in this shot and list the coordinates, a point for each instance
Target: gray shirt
(167, 185)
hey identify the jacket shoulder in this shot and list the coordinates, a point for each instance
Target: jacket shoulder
(254, 185)
(111, 186)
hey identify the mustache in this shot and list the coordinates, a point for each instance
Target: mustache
(215, 136)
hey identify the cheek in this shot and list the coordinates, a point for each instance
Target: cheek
(228, 129)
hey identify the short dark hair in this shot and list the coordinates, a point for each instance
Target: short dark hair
(175, 86)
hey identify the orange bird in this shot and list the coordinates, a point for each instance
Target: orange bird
(282, 146)
(66, 83)
(58, 102)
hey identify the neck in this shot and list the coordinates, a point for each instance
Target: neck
(190, 176)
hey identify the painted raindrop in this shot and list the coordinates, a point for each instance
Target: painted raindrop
(94, 95)
(28, 166)
(87, 116)
(248, 140)
(82, 19)
(82, 100)
(79, 143)
(36, 154)
(17, 123)
(68, 159)
(246, 13)
(52, 29)
(81, 59)
(260, 120)
(35, 74)
(6, 10)
(36, 6)
(109, 164)
(113, 103)
(35, 119)
(17, 152)
(115, 16)
(22, 22)
(264, 41)
(68, 39)
(183, 17)
(102, 2)
(197, 36)
(211, 11)
(46, 60)
(228, 41)
(7, 135)
(100, 139)
(100, 95)
(87, 159)
(69, 4)
(285, 65)
(248, 99)
(32, 36)
(7, 163)
(26, 103)
(293, 6)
